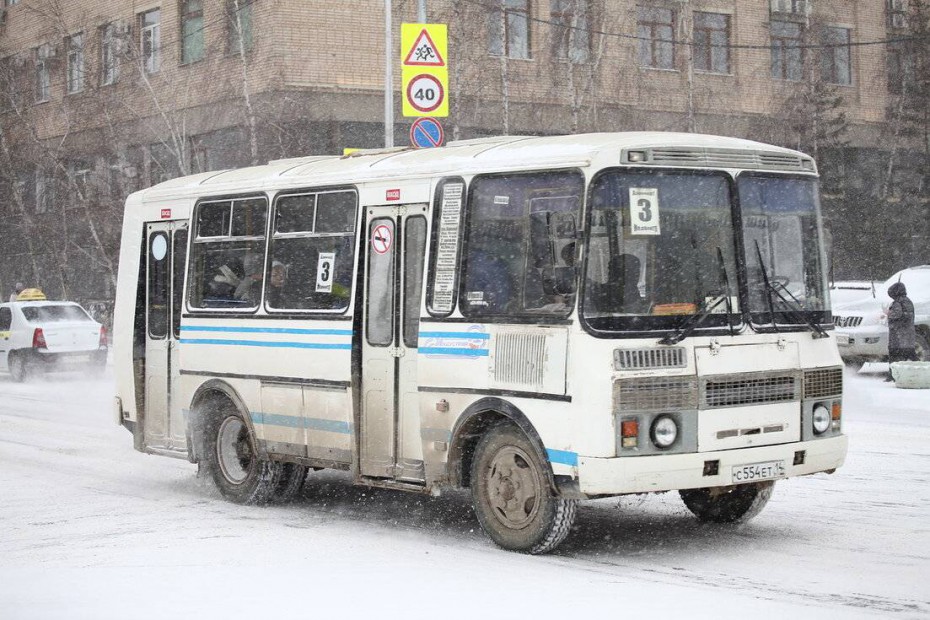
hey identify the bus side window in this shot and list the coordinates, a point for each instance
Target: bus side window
(520, 246)
(312, 251)
(227, 254)
(442, 284)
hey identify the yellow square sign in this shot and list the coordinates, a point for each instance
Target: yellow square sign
(425, 71)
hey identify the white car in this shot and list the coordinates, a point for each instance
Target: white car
(861, 326)
(844, 291)
(39, 336)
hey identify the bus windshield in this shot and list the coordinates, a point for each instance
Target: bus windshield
(661, 249)
(781, 227)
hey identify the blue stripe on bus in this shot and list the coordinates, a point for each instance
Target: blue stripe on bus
(462, 335)
(266, 330)
(266, 343)
(562, 457)
(315, 424)
(461, 352)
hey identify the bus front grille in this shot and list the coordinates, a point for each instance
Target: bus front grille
(749, 389)
(655, 393)
(823, 382)
(640, 359)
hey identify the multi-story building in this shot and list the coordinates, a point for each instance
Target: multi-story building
(101, 99)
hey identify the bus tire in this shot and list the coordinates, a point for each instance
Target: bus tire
(239, 474)
(289, 483)
(728, 505)
(512, 497)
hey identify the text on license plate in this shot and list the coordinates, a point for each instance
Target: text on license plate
(769, 470)
(842, 340)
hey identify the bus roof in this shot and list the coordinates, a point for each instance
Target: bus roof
(499, 153)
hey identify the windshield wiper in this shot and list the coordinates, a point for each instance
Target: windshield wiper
(694, 321)
(793, 310)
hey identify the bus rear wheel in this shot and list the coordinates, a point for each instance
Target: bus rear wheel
(728, 504)
(239, 474)
(511, 494)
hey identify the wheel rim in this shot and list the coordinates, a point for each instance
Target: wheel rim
(514, 487)
(234, 451)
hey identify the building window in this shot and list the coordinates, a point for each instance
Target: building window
(835, 65)
(200, 156)
(150, 30)
(79, 174)
(711, 42)
(191, 31)
(570, 37)
(45, 192)
(239, 29)
(787, 57)
(75, 46)
(897, 14)
(43, 83)
(10, 2)
(109, 47)
(656, 31)
(900, 65)
(509, 29)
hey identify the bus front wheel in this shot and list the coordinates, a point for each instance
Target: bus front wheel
(238, 473)
(729, 504)
(511, 494)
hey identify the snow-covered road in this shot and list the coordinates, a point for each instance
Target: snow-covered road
(91, 529)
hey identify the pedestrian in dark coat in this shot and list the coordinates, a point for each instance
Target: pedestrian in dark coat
(902, 335)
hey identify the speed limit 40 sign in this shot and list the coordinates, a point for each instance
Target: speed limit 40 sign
(425, 94)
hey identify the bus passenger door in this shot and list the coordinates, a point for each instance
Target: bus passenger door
(163, 423)
(389, 433)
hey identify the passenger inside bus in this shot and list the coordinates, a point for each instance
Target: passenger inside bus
(276, 280)
(250, 287)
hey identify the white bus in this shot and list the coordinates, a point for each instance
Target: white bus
(539, 319)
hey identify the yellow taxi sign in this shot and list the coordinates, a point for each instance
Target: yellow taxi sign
(31, 294)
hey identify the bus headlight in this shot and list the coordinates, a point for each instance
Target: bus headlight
(665, 431)
(821, 419)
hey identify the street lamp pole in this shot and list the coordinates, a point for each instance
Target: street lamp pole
(388, 78)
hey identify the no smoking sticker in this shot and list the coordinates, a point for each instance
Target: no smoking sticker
(381, 238)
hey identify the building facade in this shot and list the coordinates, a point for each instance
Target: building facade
(102, 99)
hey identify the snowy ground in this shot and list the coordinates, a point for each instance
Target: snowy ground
(91, 529)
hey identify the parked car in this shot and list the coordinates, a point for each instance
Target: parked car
(844, 291)
(861, 326)
(41, 336)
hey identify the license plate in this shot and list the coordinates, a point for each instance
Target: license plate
(754, 472)
(842, 340)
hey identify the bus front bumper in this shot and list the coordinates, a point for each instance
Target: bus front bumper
(648, 474)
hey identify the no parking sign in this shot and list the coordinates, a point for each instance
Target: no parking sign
(426, 133)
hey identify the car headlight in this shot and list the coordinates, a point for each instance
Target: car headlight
(821, 419)
(665, 431)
